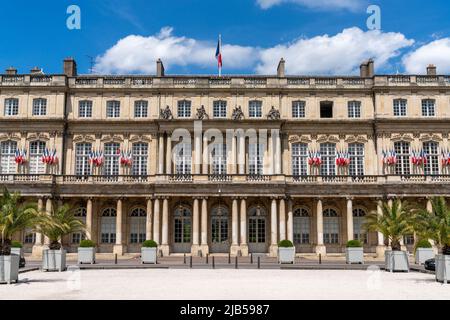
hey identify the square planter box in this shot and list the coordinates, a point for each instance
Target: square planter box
(286, 255)
(17, 251)
(442, 268)
(9, 268)
(54, 260)
(354, 255)
(86, 255)
(396, 261)
(424, 254)
(148, 255)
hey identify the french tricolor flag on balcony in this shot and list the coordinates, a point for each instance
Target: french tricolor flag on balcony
(219, 55)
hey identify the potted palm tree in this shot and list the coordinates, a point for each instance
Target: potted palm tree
(149, 251)
(59, 222)
(423, 251)
(394, 223)
(286, 252)
(86, 252)
(354, 253)
(436, 224)
(14, 217)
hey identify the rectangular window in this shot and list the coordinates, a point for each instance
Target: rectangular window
(298, 109)
(356, 151)
(354, 109)
(82, 165)
(220, 109)
(255, 109)
(402, 149)
(299, 159)
(7, 157)
(219, 159)
(141, 109)
(39, 107)
(36, 152)
(326, 109)
(113, 109)
(431, 150)
(428, 108)
(400, 107)
(140, 156)
(184, 109)
(328, 152)
(111, 164)
(183, 159)
(85, 109)
(11, 107)
(255, 155)
(30, 237)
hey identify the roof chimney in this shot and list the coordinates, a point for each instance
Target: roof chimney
(70, 67)
(363, 69)
(431, 70)
(36, 70)
(11, 71)
(159, 68)
(281, 70)
(370, 68)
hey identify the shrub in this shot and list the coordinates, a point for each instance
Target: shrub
(149, 244)
(354, 244)
(87, 244)
(424, 244)
(285, 244)
(16, 244)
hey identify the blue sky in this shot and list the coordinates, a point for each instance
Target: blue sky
(128, 36)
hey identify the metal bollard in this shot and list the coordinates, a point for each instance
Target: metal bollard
(251, 258)
(184, 258)
(190, 263)
(320, 258)
(236, 263)
(115, 258)
(213, 263)
(229, 258)
(259, 262)
(207, 258)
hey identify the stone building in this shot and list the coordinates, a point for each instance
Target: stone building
(302, 158)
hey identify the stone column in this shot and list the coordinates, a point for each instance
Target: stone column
(277, 156)
(381, 248)
(37, 247)
(241, 154)
(269, 155)
(350, 233)
(234, 227)
(233, 156)
(244, 244)
(205, 155)
(320, 248)
(161, 154)
(282, 219)
(197, 150)
(169, 154)
(165, 228)
(195, 228)
(89, 220)
(48, 210)
(290, 221)
(149, 220)
(273, 251)
(118, 247)
(156, 223)
(204, 228)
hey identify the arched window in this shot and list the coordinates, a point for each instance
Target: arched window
(82, 165)
(328, 152)
(359, 218)
(257, 225)
(138, 219)
(299, 159)
(80, 213)
(356, 151)
(7, 157)
(108, 226)
(140, 158)
(219, 224)
(112, 155)
(403, 151)
(184, 109)
(330, 226)
(302, 226)
(183, 223)
(36, 151)
(431, 150)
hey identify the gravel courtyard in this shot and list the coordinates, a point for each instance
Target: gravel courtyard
(225, 284)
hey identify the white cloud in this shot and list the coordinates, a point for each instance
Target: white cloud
(138, 54)
(352, 5)
(436, 52)
(338, 54)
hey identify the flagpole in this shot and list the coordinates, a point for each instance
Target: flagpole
(220, 48)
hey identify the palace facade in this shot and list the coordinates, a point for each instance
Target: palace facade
(328, 151)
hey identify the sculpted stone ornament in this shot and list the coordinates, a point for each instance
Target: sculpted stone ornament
(237, 114)
(273, 114)
(201, 113)
(166, 114)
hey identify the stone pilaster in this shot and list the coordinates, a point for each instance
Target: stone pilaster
(320, 247)
(273, 250)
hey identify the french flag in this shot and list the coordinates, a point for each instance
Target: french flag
(219, 55)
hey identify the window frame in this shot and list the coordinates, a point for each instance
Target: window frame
(11, 107)
(85, 108)
(298, 109)
(141, 109)
(39, 107)
(219, 109)
(354, 109)
(255, 109)
(184, 109)
(113, 109)
(400, 107)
